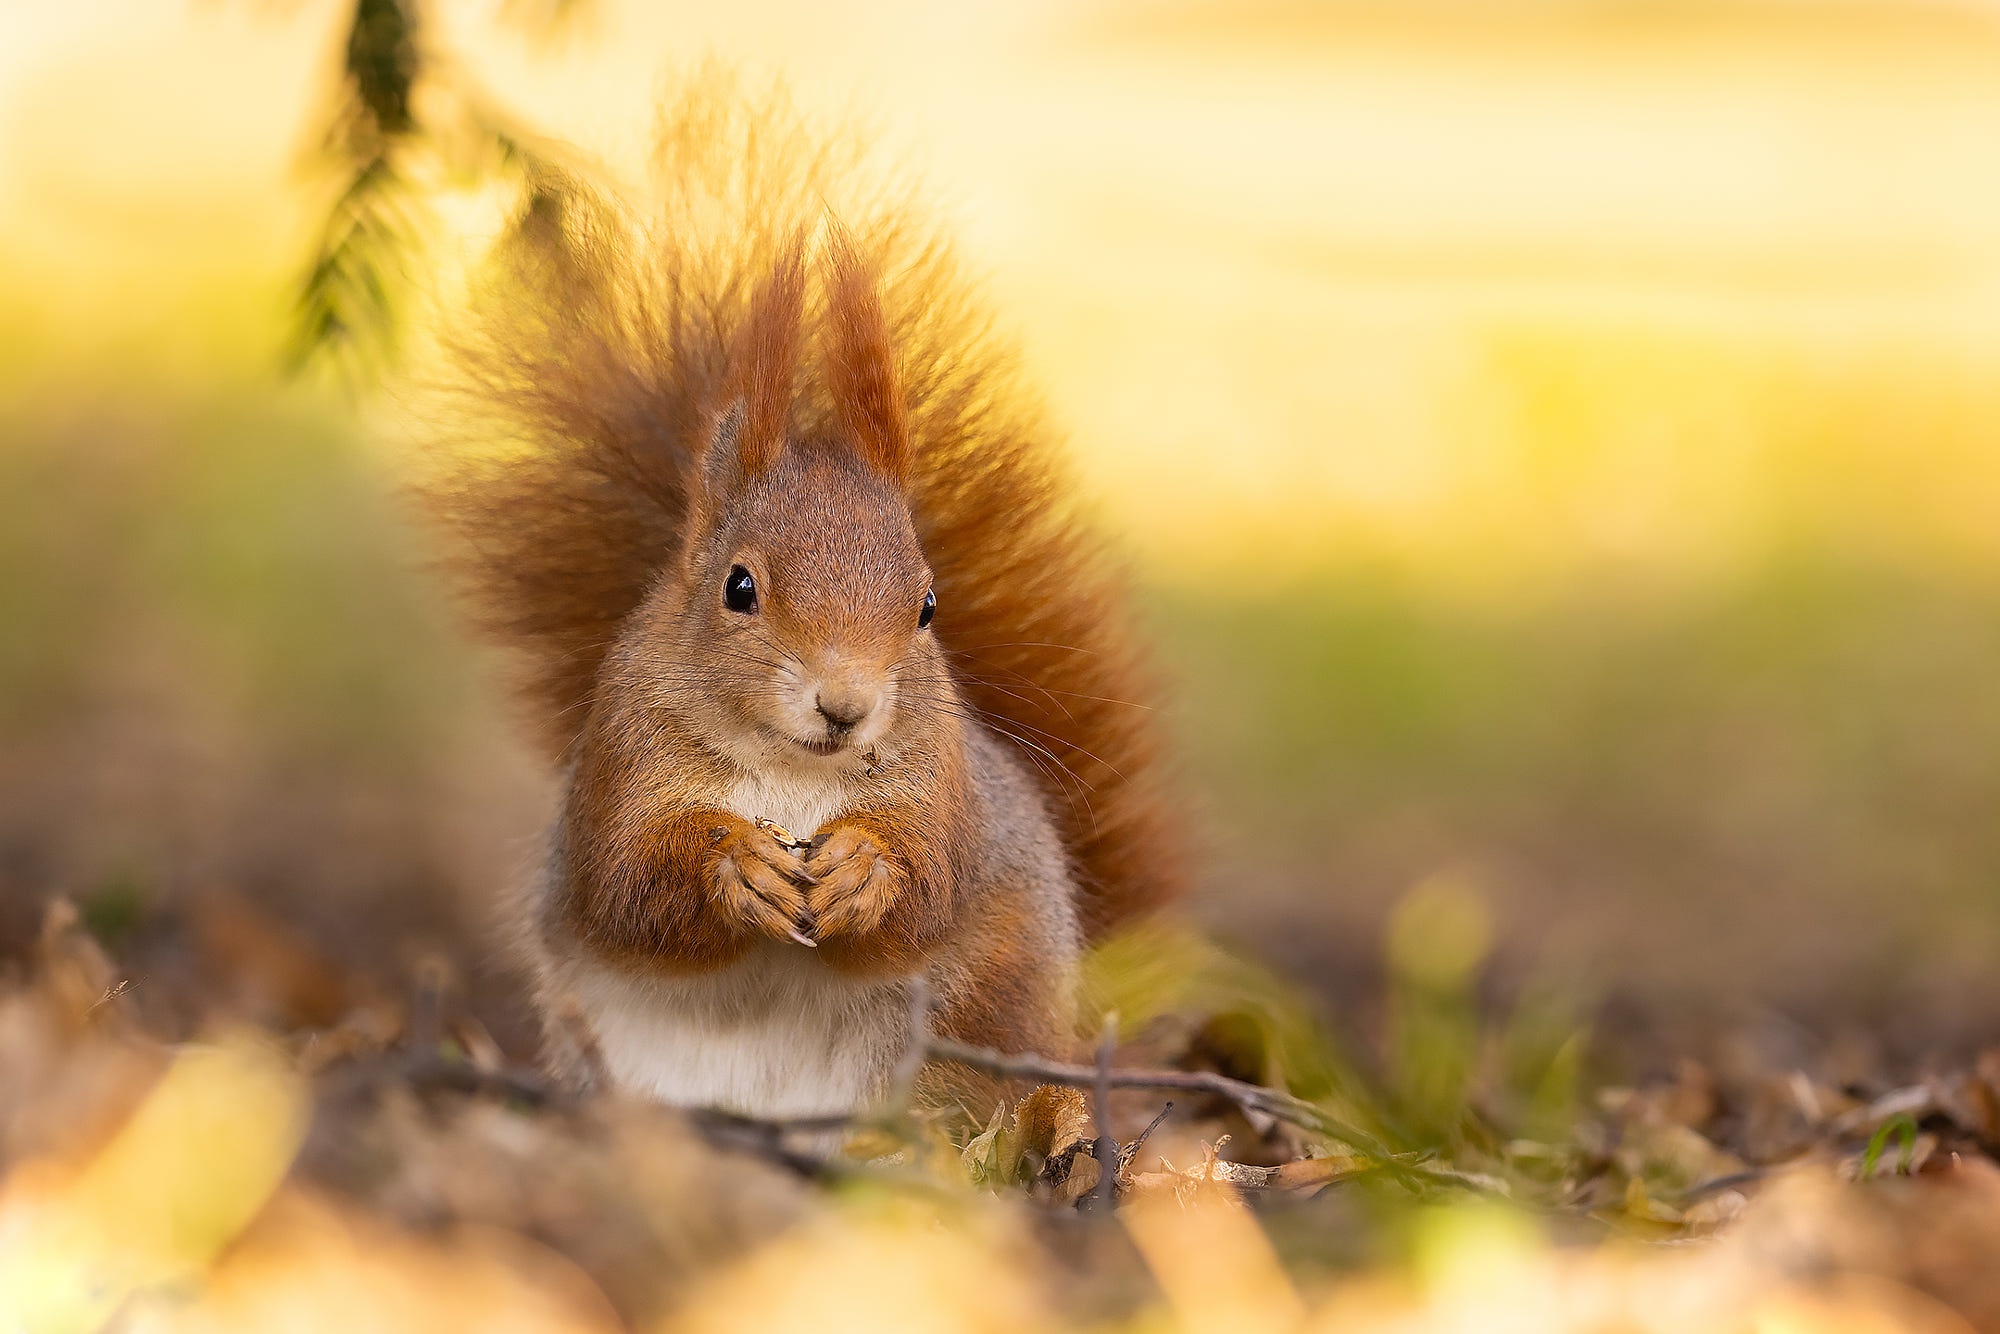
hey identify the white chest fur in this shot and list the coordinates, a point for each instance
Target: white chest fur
(776, 1034)
(802, 802)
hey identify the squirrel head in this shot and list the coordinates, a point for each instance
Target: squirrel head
(801, 630)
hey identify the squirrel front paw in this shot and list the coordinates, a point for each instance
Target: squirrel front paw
(758, 882)
(854, 882)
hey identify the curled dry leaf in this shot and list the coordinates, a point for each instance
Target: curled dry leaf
(1038, 1138)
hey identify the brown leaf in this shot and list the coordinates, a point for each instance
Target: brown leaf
(1053, 1120)
(1079, 1180)
(1040, 1136)
(1691, 1099)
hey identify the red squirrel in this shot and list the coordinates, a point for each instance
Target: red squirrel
(842, 692)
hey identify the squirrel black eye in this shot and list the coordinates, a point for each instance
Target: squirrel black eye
(739, 590)
(930, 608)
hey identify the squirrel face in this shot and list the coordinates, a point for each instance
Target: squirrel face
(798, 632)
(803, 625)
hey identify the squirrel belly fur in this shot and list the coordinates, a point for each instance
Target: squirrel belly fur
(843, 692)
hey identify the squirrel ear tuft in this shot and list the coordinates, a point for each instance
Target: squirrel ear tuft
(763, 359)
(861, 362)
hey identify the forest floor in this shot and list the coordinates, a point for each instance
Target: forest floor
(393, 1170)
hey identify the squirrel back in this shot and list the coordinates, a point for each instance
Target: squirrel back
(588, 385)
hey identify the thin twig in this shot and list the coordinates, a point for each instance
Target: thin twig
(765, 1135)
(1131, 1151)
(763, 1139)
(464, 1077)
(431, 1070)
(904, 1079)
(1251, 1097)
(1104, 1194)
(766, 1139)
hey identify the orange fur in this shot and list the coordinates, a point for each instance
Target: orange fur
(861, 362)
(608, 338)
(765, 358)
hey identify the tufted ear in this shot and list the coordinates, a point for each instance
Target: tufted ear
(861, 363)
(723, 471)
(763, 357)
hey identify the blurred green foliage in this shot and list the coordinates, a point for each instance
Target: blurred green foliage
(228, 677)
(240, 530)
(1777, 786)
(1452, 1080)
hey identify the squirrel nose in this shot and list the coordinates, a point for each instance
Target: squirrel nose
(842, 709)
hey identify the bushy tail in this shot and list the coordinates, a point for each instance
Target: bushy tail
(598, 344)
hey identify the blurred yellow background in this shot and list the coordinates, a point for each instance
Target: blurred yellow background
(1559, 439)
(1488, 287)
